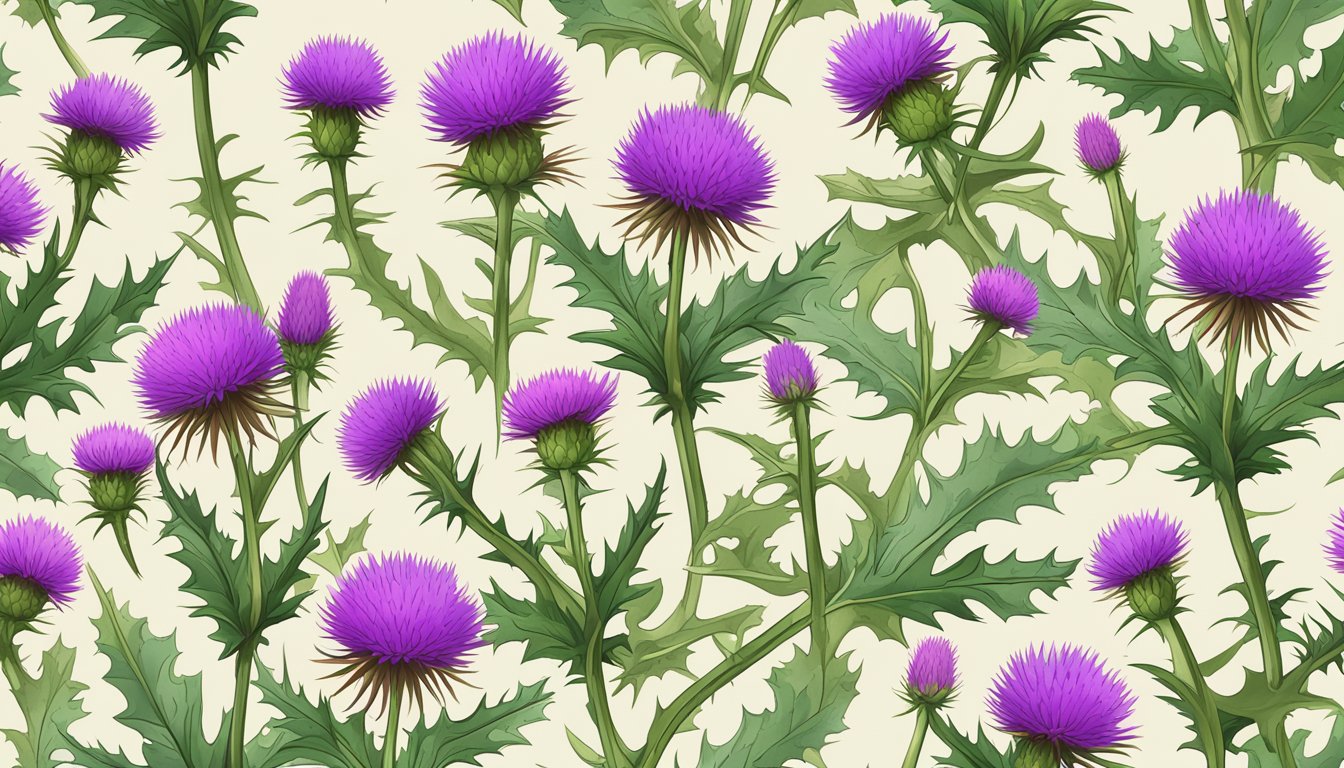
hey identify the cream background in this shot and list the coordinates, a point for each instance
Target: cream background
(1168, 170)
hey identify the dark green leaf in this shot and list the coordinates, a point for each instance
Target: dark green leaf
(49, 705)
(1283, 25)
(311, 733)
(621, 561)
(1314, 116)
(963, 752)
(1164, 82)
(194, 32)
(488, 730)
(1272, 413)
(549, 633)
(284, 578)
(1019, 32)
(26, 473)
(651, 27)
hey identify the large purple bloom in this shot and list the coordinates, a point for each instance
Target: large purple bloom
(1133, 546)
(492, 83)
(341, 73)
(22, 215)
(1334, 545)
(555, 398)
(1097, 143)
(1005, 296)
(107, 106)
(878, 59)
(42, 554)
(381, 423)
(400, 620)
(113, 449)
(933, 668)
(1062, 696)
(1248, 261)
(693, 171)
(790, 374)
(305, 311)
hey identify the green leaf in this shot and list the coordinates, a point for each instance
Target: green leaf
(1165, 82)
(334, 557)
(488, 730)
(621, 560)
(163, 707)
(263, 483)
(965, 752)
(1314, 116)
(194, 32)
(284, 578)
(49, 705)
(31, 12)
(1018, 32)
(311, 733)
(1283, 27)
(25, 473)
(1272, 413)
(7, 86)
(651, 27)
(514, 7)
(547, 631)
(231, 202)
(807, 713)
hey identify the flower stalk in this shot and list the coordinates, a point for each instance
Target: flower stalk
(392, 733)
(252, 553)
(912, 752)
(1185, 665)
(807, 506)
(68, 52)
(506, 203)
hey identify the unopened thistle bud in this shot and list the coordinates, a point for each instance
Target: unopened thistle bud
(931, 677)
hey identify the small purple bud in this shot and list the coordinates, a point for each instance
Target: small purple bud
(790, 375)
(382, 422)
(1097, 143)
(305, 311)
(931, 676)
(22, 214)
(1003, 295)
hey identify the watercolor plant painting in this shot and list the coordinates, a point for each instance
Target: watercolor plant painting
(836, 383)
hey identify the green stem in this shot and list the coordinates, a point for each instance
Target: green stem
(683, 420)
(939, 400)
(774, 29)
(917, 738)
(85, 193)
(71, 57)
(974, 223)
(738, 14)
(242, 682)
(1185, 665)
(594, 627)
(997, 89)
(242, 472)
(214, 194)
(505, 204)
(807, 506)
(392, 734)
(1250, 94)
(299, 386)
(1122, 222)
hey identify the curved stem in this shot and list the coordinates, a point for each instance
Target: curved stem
(392, 734)
(85, 193)
(917, 738)
(774, 29)
(997, 89)
(214, 194)
(299, 385)
(72, 58)
(594, 627)
(939, 400)
(242, 472)
(505, 204)
(1185, 665)
(807, 506)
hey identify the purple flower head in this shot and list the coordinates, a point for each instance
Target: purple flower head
(22, 215)
(1097, 143)
(878, 59)
(305, 311)
(210, 369)
(1248, 261)
(790, 375)
(1003, 295)
(1064, 697)
(1135, 545)
(41, 554)
(340, 73)
(107, 106)
(383, 421)
(400, 620)
(113, 449)
(491, 83)
(1334, 545)
(554, 398)
(933, 668)
(693, 172)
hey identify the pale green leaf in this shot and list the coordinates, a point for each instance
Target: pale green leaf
(25, 473)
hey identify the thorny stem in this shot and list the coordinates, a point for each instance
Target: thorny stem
(252, 551)
(505, 204)
(917, 738)
(1185, 665)
(780, 19)
(807, 507)
(594, 627)
(738, 13)
(72, 58)
(392, 733)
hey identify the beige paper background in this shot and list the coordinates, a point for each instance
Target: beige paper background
(1168, 170)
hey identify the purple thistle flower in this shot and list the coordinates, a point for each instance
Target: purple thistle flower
(1133, 546)
(1062, 697)
(41, 554)
(491, 83)
(933, 668)
(383, 421)
(1248, 261)
(693, 172)
(339, 73)
(22, 215)
(878, 59)
(1334, 545)
(402, 619)
(107, 106)
(1003, 295)
(790, 375)
(113, 449)
(1097, 143)
(305, 311)
(554, 398)
(210, 369)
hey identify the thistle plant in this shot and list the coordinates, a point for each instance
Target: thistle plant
(402, 626)
(1102, 157)
(22, 215)
(338, 82)
(115, 460)
(306, 325)
(930, 684)
(39, 568)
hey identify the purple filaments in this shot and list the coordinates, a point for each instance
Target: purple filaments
(42, 554)
(1064, 697)
(879, 59)
(1097, 144)
(1134, 546)
(1334, 545)
(22, 214)
(933, 668)
(113, 449)
(554, 398)
(106, 106)
(338, 73)
(1003, 295)
(383, 421)
(493, 83)
(790, 374)
(306, 316)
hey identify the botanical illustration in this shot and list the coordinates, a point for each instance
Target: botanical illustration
(1178, 337)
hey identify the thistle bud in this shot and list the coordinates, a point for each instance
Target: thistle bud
(340, 82)
(86, 156)
(334, 133)
(107, 119)
(1152, 596)
(559, 411)
(1035, 754)
(21, 600)
(502, 160)
(919, 112)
